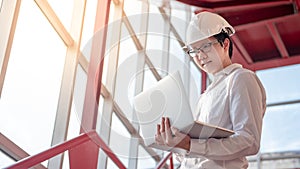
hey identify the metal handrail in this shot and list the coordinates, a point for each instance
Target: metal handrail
(274, 156)
(163, 161)
(81, 139)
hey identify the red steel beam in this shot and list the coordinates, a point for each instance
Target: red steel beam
(163, 161)
(90, 137)
(297, 3)
(275, 63)
(238, 58)
(277, 39)
(242, 49)
(38, 158)
(244, 7)
(93, 89)
(259, 23)
(223, 3)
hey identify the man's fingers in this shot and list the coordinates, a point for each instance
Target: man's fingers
(169, 137)
(162, 129)
(164, 135)
(158, 137)
(158, 129)
(167, 123)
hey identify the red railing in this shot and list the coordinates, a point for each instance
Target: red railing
(73, 143)
(163, 161)
(68, 145)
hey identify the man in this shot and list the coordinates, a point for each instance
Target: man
(234, 100)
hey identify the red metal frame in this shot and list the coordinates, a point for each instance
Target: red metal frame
(90, 110)
(245, 6)
(203, 81)
(93, 90)
(163, 161)
(297, 2)
(87, 138)
(266, 30)
(275, 63)
(277, 39)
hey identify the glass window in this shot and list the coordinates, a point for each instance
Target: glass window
(119, 134)
(7, 10)
(127, 46)
(132, 7)
(145, 159)
(32, 84)
(177, 57)
(149, 79)
(88, 28)
(78, 102)
(281, 129)
(126, 72)
(111, 164)
(63, 10)
(159, 60)
(113, 44)
(133, 11)
(179, 20)
(5, 160)
(195, 85)
(281, 84)
(158, 39)
(66, 162)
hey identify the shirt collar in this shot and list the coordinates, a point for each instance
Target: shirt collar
(227, 70)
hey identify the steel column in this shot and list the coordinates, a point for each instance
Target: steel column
(93, 88)
(69, 74)
(8, 21)
(106, 116)
(187, 78)
(139, 83)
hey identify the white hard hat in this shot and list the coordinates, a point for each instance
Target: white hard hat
(206, 24)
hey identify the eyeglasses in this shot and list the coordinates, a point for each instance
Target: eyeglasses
(204, 49)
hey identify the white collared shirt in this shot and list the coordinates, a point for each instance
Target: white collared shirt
(235, 100)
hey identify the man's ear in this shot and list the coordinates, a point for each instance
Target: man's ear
(226, 44)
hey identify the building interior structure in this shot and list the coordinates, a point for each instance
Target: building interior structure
(69, 70)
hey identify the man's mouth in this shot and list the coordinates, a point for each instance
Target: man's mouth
(204, 64)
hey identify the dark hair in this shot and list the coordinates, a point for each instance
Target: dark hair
(221, 38)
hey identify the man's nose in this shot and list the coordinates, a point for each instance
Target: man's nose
(201, 55)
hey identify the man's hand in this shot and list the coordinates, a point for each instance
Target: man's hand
(171, 137)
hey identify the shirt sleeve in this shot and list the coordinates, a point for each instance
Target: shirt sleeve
(247, 107)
